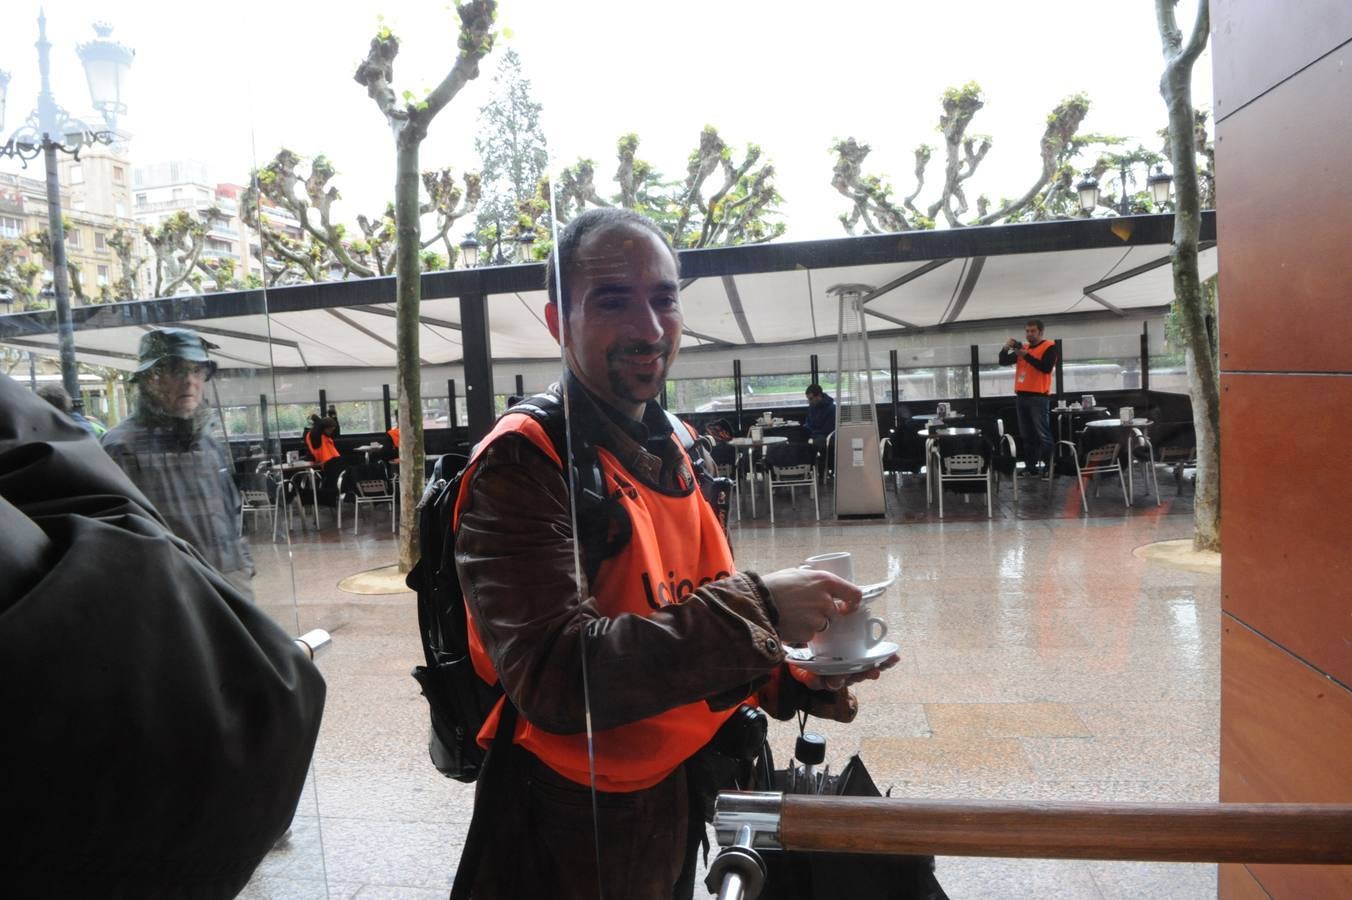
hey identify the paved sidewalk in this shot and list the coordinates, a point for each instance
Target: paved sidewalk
(1040, 659)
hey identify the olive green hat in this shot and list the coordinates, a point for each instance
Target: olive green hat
(178, 343)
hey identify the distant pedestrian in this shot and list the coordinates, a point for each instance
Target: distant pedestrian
(1033, 361)
(56, 395)
(168, 452)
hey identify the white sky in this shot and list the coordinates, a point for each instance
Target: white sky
(221, 82)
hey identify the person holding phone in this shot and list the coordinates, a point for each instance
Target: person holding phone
(1034, 360)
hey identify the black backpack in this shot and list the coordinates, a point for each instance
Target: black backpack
(459, 700)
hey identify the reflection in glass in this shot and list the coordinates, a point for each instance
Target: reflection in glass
(167, 449)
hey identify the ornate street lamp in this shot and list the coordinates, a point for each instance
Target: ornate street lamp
(1088, 189)
(524, 246)
(469, 252)
(106, 64)
(50, 128)
(1159, 185)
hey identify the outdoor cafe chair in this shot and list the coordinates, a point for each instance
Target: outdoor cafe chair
(1005, 455)
(964, 462)
(258, 493)
(1093, 459)
(791, 466)
(903, 451)
(1172, 444)
(724, 456)
(367, 485)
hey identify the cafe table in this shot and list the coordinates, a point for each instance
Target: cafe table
(750, 446)
(367, 449)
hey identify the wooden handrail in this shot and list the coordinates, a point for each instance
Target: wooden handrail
(1309, 834)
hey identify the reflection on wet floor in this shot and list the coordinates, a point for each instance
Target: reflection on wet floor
(1041, 659)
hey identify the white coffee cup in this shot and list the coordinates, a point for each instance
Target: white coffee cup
(755, 433)
(839, 563)
(850, 636)
(292, 455)
(1127, 413)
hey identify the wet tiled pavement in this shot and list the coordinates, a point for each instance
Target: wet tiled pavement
(1040, 659)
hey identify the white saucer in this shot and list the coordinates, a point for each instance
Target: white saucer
(802, 658)
(876, 589)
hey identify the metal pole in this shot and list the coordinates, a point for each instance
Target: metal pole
(737, 390)
(976, 380)
(47, 119)
(1145, 356)
(478, 363)
(1060, 368)
(323, 402)
(896, 388)
(520, 386)
(389, 414)
(816, 378)
(60, 283)
(454, 417)
(1122, 206)
(263, 420)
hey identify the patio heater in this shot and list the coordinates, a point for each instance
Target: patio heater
(858, 457)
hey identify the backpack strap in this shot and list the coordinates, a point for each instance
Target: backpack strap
(603, 527)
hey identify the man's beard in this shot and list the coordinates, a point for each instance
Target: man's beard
(620, 381)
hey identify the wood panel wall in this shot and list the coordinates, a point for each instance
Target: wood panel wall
(1283, 103)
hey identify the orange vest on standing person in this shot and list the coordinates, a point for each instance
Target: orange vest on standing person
(677, 545)
(1028, 380)
(394, 436)
(325, 451)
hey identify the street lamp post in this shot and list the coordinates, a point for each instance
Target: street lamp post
(50, 128)
(472, 253)
(1088, 190)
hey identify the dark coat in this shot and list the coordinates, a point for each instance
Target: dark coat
(158, 726)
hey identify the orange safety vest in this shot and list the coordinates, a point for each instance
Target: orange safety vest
(677, 545)
(394, 436)
(1028, 380)
(325, 451)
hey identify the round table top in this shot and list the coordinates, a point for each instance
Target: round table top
(298, 464)
(367, 448)
(1118, 423)
(948, 432)
(1079, 409)
(768, 439)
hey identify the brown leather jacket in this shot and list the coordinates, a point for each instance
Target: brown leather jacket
(514, 553)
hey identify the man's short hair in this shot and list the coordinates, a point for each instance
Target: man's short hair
(56, 395)
(1036, 323)
(814, 390)
(563, 257)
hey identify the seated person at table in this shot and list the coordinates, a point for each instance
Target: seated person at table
(167, 451)
(821, 421)
(319, 439)
(821, 414)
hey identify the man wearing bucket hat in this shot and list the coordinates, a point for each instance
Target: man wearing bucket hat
(167, 451)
